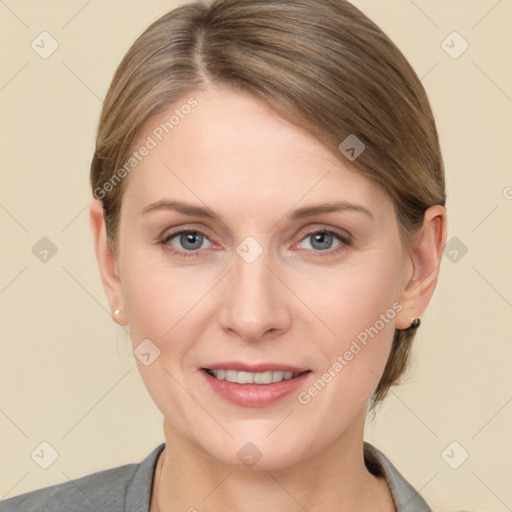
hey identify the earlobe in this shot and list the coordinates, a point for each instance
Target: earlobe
(425, 257)
(107, 263)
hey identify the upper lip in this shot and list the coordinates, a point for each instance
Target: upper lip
(254, 368)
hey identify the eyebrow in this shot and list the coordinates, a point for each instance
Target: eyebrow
(300, 213)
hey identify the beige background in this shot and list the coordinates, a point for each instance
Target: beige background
(67, 373)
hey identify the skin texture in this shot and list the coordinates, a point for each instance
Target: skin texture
(300, 302)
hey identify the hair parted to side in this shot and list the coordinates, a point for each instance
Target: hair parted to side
(320, 64)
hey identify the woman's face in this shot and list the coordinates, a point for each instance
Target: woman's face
(262, 282)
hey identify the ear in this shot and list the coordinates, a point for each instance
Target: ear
(425, 259)
(107, 262)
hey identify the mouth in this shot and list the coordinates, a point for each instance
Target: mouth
(255, 385)
(244, 377)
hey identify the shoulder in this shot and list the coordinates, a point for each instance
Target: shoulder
(103, 490)
(109, 490)
(406, 498)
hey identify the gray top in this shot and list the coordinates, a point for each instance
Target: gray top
(128, 489)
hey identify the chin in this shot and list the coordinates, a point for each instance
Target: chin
(260, 453)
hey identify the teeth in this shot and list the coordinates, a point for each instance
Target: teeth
(231, 375)
(263, 378)
(252, 378)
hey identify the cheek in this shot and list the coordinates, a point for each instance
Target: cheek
(351, 297)
(158, 295)
(161, 304)
(359, 305)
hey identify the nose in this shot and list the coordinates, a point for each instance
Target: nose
(255, 301)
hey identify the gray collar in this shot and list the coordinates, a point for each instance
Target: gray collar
(407, 499)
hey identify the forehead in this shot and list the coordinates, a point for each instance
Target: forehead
(230, 149)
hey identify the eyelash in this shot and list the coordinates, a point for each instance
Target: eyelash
(164, 242)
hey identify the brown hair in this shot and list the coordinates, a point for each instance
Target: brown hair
(320, 64)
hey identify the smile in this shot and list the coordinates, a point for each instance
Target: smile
(242, 377)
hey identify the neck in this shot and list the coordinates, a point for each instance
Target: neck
(189, 479)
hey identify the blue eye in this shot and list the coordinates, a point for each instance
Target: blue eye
(191, 241)
(321, 242)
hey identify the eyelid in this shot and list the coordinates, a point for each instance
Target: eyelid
(176, 230)
(174, 233)
(319, 227)
(345, 240)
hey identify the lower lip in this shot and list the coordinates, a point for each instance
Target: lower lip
(255, 395)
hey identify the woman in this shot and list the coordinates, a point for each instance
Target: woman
(269, 221)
